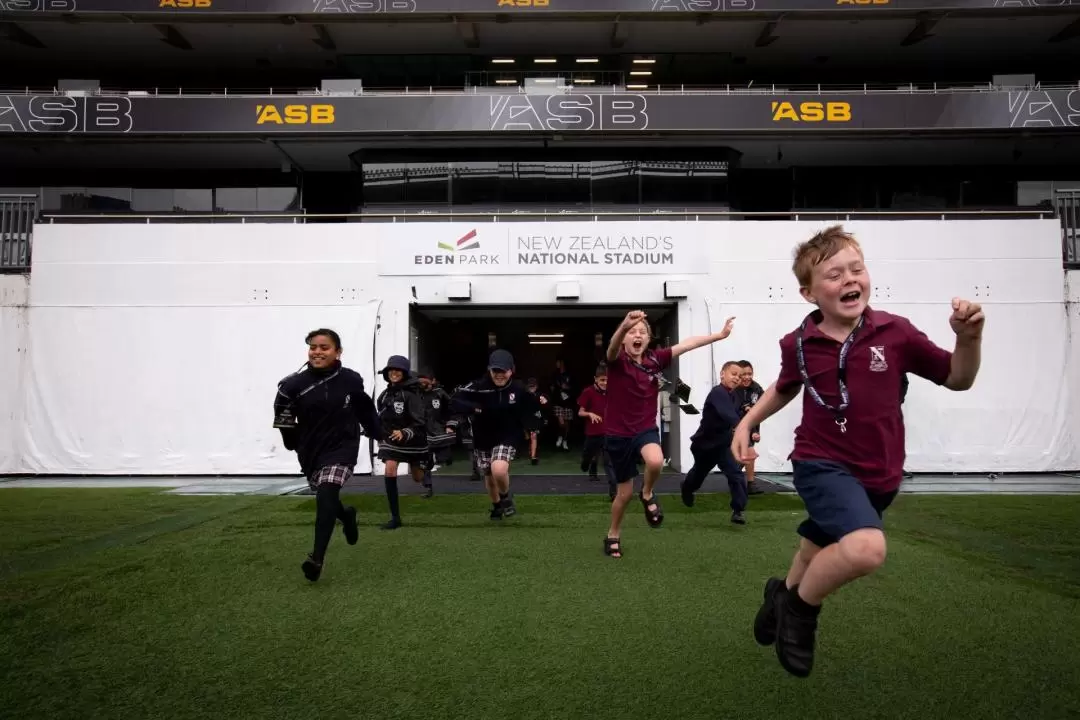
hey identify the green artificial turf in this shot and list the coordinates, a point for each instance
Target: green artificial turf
(137, 604)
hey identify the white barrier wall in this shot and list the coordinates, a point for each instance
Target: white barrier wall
(14, 326)
(156, 348)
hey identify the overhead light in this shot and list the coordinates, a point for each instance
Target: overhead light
(544, 61)
(506, 82)
(584, 81)
(553, 335)
(644, 61)
(545, 342)
(641, 72)
(544, 80)
(588, 60)
(502, 61)
(637, 87)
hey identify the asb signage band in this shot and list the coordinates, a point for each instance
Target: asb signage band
(517, 113)
(637, 248)
(487, 7)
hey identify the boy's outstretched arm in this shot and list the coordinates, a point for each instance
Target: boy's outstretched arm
(967, 322)
(697, 341)
(772, 402)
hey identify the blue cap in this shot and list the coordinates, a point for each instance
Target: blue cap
(501, 360)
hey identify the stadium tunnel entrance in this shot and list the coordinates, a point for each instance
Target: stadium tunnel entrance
(454, 343)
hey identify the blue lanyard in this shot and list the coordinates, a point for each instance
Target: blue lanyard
(841, 372)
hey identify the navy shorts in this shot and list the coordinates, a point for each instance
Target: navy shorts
(835, 501)
(623, 453)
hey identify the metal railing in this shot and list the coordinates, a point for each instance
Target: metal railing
(551, 216)
(652, 89)
(1067, 205)
(17, 216)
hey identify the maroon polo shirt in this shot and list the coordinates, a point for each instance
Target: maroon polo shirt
(885, 349)
(593, 401)
(632, 393)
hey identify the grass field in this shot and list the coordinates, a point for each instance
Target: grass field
(135, 604)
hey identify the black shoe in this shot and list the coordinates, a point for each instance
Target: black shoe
(311, 569)
(508, 508)
(393, 524)
(585, 468)
(795, 634)
(738, 518)
(352, 532)
(534, 461)
(754, 489)
(687, 496)
(496, 511)
(593, 478)
(765, 620)
(428, 492)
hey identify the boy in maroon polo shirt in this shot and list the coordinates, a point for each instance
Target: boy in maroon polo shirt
(592, 406)
(849, 448)
(635, 375)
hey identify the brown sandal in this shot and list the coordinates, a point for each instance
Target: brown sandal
(612, 547)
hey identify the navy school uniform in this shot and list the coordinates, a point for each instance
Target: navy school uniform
(401, 408)
(711, 446)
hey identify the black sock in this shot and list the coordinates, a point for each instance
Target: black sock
(392, 497)
(327, 503)
(800, 606)
(503, 495)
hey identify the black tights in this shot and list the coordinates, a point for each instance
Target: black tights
(328, 508)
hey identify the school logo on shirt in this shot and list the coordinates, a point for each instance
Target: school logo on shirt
(348, 399)
(436, 403)
(512, 399)
(877, 359)
(399, 407)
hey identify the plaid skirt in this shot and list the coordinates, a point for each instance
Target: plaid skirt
(333, 474)
(484, 458)
(563, 413)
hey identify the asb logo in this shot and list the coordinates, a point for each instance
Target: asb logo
(813, 112)
(457, 254)
(294, 115)
(185, 4)
(524, 3)
(466, 242)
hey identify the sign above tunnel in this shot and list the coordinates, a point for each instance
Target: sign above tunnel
(614, 113)
(487, 7)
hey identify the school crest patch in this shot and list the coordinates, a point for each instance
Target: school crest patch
(512, 399)
(436, 403)
(399, 407)
(877, 359)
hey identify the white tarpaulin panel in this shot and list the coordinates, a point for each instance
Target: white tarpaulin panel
(153, 390)
(155, 349)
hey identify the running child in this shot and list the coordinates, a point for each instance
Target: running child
(534, 434)
(748, 393)
(592, 406)
(401, 413)
(635, 375)
(562, 403)
(440, 436)
(502, 411)
(320, 411)
(848, 461)
(711, 444)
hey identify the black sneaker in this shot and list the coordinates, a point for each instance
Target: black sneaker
(738, 518)
(393, 524)
(795, 634)
(496, 511)
(687, 496)
(508, 506)
(593, 477)
(534, 461)
(765, 621)
(311, 569)
(352, 532)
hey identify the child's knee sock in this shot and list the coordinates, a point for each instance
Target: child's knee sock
(392, 497)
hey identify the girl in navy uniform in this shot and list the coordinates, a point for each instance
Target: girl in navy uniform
(503, 411)
(404, 439)
(319, 411)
